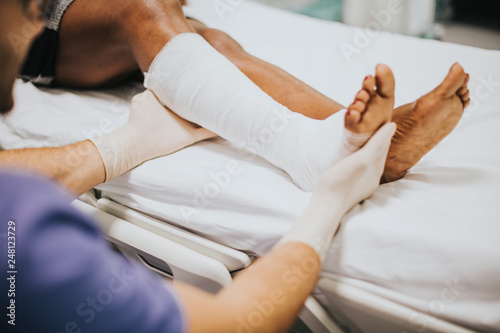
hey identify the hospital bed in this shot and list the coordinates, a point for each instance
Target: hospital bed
(421, 255)
(183, 256)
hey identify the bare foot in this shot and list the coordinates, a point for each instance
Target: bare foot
(424, 123)
(373, 105)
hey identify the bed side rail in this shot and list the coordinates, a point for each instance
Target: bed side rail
(234, 260)
(182, 263)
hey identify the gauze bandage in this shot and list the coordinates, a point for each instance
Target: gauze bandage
(151, 131)
(342, 186)
(198, 83)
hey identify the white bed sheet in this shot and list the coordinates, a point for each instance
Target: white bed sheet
(430, 241)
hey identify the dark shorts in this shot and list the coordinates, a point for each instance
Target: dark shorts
(40, 65)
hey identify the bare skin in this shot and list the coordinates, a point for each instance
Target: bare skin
(131, 33)
(373, 104)
(77, 167)
(426, 122)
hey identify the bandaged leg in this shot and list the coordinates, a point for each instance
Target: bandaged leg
(202, 86)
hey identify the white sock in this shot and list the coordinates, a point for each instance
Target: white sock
(198, 83)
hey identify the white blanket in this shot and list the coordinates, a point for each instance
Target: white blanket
(430, 241)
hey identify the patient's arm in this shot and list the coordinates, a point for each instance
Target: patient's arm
(267, 296)
(78, 167)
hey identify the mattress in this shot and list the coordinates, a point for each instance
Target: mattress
(430, 241)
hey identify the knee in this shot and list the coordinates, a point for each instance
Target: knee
(148, 11)
(153, 6)
(223, 43)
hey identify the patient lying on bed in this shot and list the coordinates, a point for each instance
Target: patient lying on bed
(135, 35)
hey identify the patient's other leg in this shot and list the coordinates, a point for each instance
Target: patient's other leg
(425, 122)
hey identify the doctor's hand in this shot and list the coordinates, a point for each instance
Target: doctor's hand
(345, 184)
(356, 177)
(151, 131)
(160, 131)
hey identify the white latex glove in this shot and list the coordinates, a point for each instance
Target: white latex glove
(341, 187)
(151, 131)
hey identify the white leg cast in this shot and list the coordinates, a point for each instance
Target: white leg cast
(198, 83)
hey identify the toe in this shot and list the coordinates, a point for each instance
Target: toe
(362, 96)
(358, 106)
(462, 91)
(385, 81)
(464, 88)
(369, 84)
(352, 118)
(453, 81)
(466, 103)
(465, 96)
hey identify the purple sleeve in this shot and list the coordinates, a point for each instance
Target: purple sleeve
(68, 279)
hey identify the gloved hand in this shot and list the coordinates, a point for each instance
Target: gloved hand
(341, 187)
(151, 131)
